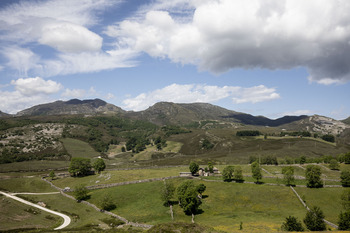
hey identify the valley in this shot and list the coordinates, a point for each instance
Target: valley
(142, 151)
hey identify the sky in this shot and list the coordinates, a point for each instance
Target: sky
(262, 57)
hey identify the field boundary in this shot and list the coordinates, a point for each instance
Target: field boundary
(308, 209)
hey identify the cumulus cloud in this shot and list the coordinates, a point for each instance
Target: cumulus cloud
(35, 86)
(222, 34)
(63, 25)
(27, 92)
(200, 93)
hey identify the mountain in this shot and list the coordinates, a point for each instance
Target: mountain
(71, 107)
(163, 113)
(346, 121)
(2, 114)
(172, 113)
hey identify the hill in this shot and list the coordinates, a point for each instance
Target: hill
(2, 114)
(71, 107)
(346, 121)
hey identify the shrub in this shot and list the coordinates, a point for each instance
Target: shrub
(292, 224)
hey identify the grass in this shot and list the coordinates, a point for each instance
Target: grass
(78, 148)
(14, 215)
(224, 207)
(29, 184)
(116, 176)
(33, 166)
(328, 199)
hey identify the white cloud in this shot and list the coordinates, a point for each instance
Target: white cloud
(35, 86)
(64, 26)
(200, 93)
(225, 34)
(78, 93)
(14, 101)
(68, 37)
(110, 96)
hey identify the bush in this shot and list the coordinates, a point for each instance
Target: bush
(344, 221)
(328, 138)
(314, 220)
(107, 203)
(292, 224)
(227, 173)
(345, 178)
(333, 164)
(313, 176)
(81, 192)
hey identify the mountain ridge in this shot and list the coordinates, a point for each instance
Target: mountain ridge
(168, 113)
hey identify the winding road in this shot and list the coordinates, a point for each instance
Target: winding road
(66, 218)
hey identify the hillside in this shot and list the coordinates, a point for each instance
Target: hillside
(71, 107)
(2, 114)
(346, 121)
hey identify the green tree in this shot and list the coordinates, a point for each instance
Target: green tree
(302, 159)
(52, 175)
(292, 224)
(200, 189)
(227, 173)
(333, 164)
(288, 175)
(238, 174)
(345, 197)
(313, 176)
(256, 171)
(211, 167)
(206, 144)
(347, 158)
(314, 220)
(328, 138)
(167, 193)
(188, 199)
(99, 165)
(81, 192)
(345, 178)
(79, 167)
(107, 203)
(344, 221)
(194, 167)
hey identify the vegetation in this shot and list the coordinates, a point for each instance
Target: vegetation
(345, 178)
(79, 167)
(313, 176)
(333, 164)
(292, 224)
(81, 192)
(194, 167)
(227, 173)
(314, 219)
(238, 174)
(328, 138)
(107, 203)
(256, 171)
(188, 199)
(245, 133)
(288, 175)
(99, 165)
(167, 193)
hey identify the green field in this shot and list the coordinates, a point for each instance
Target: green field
(33, 166)
(259, 207)
(78, 148)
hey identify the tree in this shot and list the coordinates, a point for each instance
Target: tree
(314, 220)
(81, 192)
(344, 221)
(99, 165)
(333, 164)
(313, 176)
(238, 174)
(288, 175)
(345, 178)
(345, 197)
(206, 144)
(347, 158)
(292, 224)
(167, 193)
(227, 173)
(200, 189)
(328, 138)
(302, 159)
(211, 167)
(256, 171)
(79, 167)
(52, 175)
(188, 199)
(194, 167)
(107, 203)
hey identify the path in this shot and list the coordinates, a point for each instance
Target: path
(66, 221)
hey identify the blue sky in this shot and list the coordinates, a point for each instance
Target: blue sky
(269, 57)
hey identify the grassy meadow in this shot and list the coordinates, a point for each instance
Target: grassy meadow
(78, 148)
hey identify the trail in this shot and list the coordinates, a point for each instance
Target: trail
(66, 218)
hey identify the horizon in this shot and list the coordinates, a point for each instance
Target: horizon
(267, 59)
